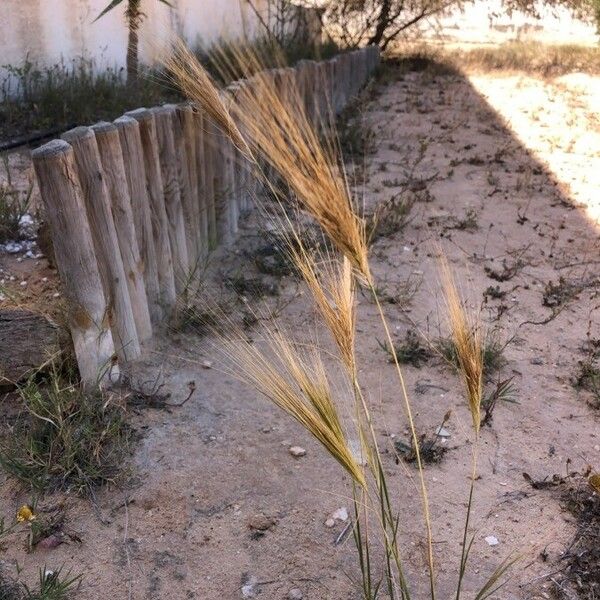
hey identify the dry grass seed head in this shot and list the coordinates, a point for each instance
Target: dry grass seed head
(468, 339)
(297, 383)
(269, 109)
(331, 283)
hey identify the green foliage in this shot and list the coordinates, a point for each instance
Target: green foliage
(14, 205)
(67, 437)
(410, 351)
(116, 3)
(67, 94)
(493, 354)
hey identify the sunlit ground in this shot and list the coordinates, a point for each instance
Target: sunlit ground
(558, 121)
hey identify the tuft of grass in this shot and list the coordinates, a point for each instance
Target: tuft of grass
(67, 437)
(557, 294)
(504, 391)
(582, 557)
(430, 449)
(469, 222)
(410, 351)
(52, 585)
(492, 353)
(356, 137)
(588, 374)
(389, 217)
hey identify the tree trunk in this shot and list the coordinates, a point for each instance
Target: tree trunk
(134, 17)
(382, 22)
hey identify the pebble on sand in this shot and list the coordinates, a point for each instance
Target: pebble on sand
(297, 451)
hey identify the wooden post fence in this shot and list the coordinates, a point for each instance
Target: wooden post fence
(104, 237)
(87, 306)
(136, 206)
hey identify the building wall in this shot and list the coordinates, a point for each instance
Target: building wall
(47, 31)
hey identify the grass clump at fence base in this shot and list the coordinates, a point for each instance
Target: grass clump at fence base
(275, 131)
(14, 205)
(66, 437)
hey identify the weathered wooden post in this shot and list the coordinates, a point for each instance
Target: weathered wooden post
(106, 244)
(205, 186)
(304, 87)
(185, 150)
(337, 93)
(88, 309)
(111, 156)
(164, 117)
(160, 223)
(135, 173)
(224, 178)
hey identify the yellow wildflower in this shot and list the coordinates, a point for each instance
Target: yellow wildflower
(25, 513)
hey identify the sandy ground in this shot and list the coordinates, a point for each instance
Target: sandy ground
(488, 147)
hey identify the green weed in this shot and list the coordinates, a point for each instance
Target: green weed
(67, 437)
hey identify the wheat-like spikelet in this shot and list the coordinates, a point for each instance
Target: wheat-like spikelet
(297, 383)
(276, 130)
(331, 283)
(468, 337)
(198, 85)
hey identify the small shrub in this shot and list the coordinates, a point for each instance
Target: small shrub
(14, 205)
(588, 375)
(66, 438)
(559, 293)
(493, 354)
(410, 351)
(504, 391)
(356, 138)
(388, 218)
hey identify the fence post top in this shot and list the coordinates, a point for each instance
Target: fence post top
(103, 127)
(139, 114)
(50, 149)
(125, 121)
(184, 106)
(78, 133)
(165, 109)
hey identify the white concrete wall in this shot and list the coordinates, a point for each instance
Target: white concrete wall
(50, 30)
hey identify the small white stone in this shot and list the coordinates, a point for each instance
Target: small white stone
(23, 283)
(341, 514)
(295, 594)
(330, 523)
(492, 540)
(207, 364)
(56, 295)
(297, 451)
(442, 432)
